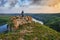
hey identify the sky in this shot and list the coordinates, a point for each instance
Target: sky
(30, 6)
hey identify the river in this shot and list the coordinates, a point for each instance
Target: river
(3, 28)
(37, 21)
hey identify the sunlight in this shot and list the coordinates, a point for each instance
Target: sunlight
(57, 6)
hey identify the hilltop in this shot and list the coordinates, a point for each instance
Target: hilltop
(32, 31)
(29, 31)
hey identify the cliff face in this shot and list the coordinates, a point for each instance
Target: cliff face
(18, 20)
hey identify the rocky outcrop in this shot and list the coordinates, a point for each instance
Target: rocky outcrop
(19, 20)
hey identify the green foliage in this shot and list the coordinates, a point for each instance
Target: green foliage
(51, 20)
(4, 19)
(35, 32)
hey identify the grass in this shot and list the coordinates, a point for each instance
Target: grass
(33, 31)
(4, 19)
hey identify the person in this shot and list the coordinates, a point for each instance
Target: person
(22, 13)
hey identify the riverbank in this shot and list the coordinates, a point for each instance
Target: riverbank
(37, 21)
(3, 28)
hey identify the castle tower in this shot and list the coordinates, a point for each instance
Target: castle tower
(22, 13)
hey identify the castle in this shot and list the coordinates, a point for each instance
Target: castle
(21, 20)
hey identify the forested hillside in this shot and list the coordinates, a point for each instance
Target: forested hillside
(51, 20)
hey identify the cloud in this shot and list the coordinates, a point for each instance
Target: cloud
(36, 2)
(50, 3)
(2, 2)
(13, 6)
(12, 3)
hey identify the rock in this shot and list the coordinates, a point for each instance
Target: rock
(19, 20)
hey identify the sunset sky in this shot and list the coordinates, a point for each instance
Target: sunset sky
(30, 6)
